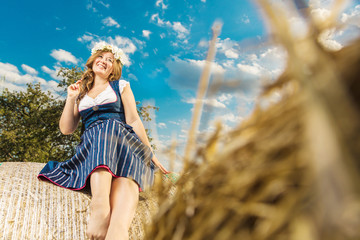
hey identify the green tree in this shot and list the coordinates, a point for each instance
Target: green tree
(29, 127)
(29, 120)
(144, 113)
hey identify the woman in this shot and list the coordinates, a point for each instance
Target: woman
(114, 154)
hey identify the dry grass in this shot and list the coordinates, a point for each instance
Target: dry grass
(290, 171)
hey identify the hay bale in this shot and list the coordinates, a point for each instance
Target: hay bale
(33, 209)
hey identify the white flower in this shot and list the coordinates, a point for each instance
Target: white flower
(118, 53)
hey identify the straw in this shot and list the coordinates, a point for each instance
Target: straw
(289, 170)
(34, 209)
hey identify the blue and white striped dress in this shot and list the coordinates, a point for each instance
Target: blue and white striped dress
(107, 142)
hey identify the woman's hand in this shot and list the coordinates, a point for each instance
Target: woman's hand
(74, 89)
(159, 165)
(70, 116)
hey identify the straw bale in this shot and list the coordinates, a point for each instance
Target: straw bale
(34, 209)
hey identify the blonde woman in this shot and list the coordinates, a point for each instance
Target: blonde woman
(114, 156)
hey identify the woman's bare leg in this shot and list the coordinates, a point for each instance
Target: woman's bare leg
(100, 183)
(124, 198)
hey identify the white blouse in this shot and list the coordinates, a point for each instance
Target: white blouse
(106, 96)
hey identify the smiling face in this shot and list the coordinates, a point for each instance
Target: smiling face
(103, 65)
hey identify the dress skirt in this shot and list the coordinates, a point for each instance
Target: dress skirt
(109, 144)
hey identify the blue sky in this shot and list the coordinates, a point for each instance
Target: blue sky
(166, 41)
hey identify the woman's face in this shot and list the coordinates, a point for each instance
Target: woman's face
(103, 65)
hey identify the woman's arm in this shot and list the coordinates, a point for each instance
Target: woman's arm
(70, 116)
(133, 119)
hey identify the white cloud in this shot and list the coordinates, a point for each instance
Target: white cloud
(212, 102)
(252, 57)
(245, 19)
(215, 68)
(228, 64)
(155, 17)
(262, 62)
(12, 74)
(15, 81)
(203, 1)
(11, 86)
(182, 126)
(228, 47)
(230, 117)
(181, 31)
(161, 125)
(89, 5)
(8, 68)
(230, 53)
(327, 4)
(109, 21)
(270, 60)
(326, 39)
(185, 74)
(102, 3)
(52, 72)
(203, 43)
(252, 69)
(161, 3)
(126, 44)
(63, 56)
(60, 28)
(353, 17)
(155, 72)
(146, 33)
(225, 98)
(132, 77)
(86, 37)
(329, 37)
(184, 134)
(29, 69)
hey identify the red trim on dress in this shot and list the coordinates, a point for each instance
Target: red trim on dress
(100, 166)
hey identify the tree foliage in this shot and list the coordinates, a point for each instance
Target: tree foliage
(29, 129)
(144, 113)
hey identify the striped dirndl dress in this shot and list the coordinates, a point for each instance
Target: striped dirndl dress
(107, 142)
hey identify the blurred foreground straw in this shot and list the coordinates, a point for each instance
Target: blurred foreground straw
(291, 170)
(203, 85)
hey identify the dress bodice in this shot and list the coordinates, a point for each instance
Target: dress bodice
(106, 105)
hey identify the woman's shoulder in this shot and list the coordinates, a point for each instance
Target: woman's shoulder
(122, 85)
(119, 84)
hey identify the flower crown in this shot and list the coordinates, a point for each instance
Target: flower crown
(118, 53)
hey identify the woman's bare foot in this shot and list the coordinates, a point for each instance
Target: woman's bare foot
(99, 219)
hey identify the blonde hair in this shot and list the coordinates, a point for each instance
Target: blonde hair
(87, 79)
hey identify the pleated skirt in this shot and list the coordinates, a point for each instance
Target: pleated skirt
(109, 144)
